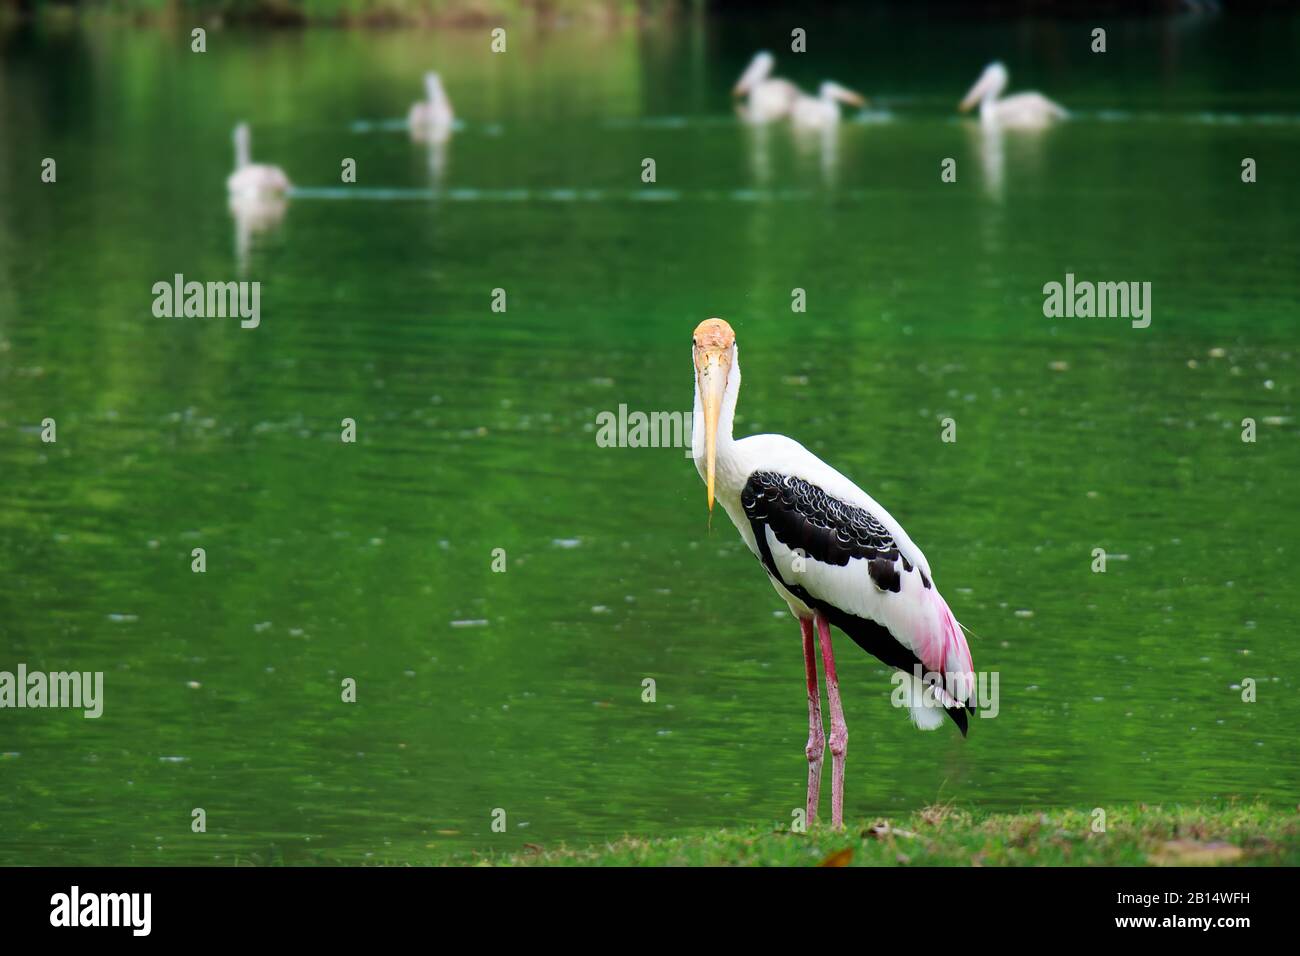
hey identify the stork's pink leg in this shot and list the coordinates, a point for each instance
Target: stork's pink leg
(816, 748)
(839, 731)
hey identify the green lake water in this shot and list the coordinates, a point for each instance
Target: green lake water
(476, 430)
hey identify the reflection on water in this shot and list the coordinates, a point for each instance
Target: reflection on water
(988, 146)
(822, 144)
(758, 139)
(373, 560)
(437, 149)
(362, 193)
(254, 215)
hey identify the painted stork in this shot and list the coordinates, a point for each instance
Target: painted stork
(253, 181)
(769, 97)
(835, 556)
(1023, 110)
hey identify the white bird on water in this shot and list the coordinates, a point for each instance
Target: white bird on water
(834, 555)
(431, 118)
(823, 110)
(769, 97)
(253, 181)
(1023, 110)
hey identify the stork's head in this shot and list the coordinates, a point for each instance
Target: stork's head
(759, 69)
(989, 86)
(713, 347)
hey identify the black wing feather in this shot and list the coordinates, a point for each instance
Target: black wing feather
(832, 531)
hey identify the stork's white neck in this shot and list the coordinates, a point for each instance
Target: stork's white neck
(989, 101)
(242, 157)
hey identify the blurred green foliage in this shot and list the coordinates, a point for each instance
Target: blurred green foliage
(442, 12)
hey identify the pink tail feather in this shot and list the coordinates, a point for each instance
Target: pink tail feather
(948, 654)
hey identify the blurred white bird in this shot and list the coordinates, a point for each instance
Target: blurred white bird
(823, 110)
(1024, 110)
(769, 98)
(431, 118)
(252, 181)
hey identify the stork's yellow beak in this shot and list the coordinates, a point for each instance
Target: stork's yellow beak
(711, 374)
(712, 348)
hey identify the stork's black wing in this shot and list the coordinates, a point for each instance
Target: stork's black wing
(804, 517)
